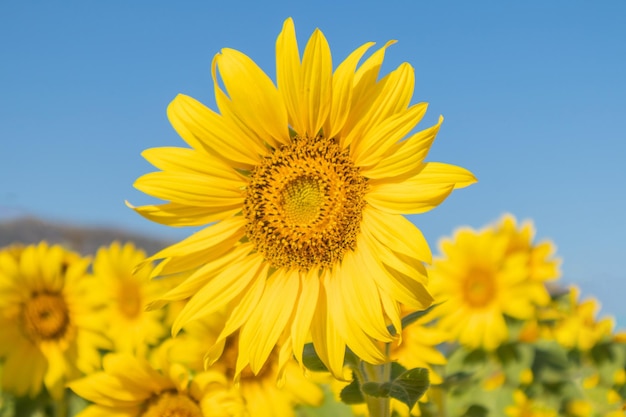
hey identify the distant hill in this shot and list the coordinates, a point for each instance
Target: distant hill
(86, 240)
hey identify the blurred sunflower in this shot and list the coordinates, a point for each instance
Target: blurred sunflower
(131, 387)
(579, 328)
(482, 279)
(260, 394)
(303, 190)
(131, 328)
(526, 407)
(49, 329)
(542, 262)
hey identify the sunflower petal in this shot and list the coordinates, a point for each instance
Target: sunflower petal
(343, 78)
(190, 189)
(305, 309)
(220, 290)
(378, 142)
(405, 159)
(397, 233)
(317, 68)
(391, 97)
(276, 306)
(202, 128)
(328, 343)
(179, 215)
(255, 100)
(288, 75)
(420, 193)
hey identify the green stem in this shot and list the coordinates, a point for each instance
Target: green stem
(377, 406)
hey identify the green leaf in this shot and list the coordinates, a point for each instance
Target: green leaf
(351, 393)
(408, 387)
(311, 361)
(476, 411)
(396, 370)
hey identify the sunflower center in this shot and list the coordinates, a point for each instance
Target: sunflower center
(172, 404)
(479, 288)
(45, 316)
(304, 204)
(129, 299)
(302, 201)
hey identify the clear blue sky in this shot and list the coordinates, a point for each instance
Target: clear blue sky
(533, 92)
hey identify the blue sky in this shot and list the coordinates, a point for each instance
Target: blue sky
(534, 96)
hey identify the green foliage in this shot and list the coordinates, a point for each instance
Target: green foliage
(408, 387)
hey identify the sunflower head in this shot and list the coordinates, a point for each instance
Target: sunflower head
(127, 289)
(48, 319)
(486, 276)
(302, 185)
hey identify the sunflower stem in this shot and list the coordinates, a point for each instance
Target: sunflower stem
(377, 406)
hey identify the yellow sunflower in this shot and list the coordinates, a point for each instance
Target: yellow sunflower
(49, 330)
(526, 407)
(131, 387)
(260, 393)
(579, 328)
(543, 264)
(302, 188)
(131, 328)
(481, 279)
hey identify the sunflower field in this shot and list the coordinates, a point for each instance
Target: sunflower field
(306, 291)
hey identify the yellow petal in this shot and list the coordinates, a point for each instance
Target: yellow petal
(243, 308)
(377, 142)
(220, 235)
(195, 281)
(360, 343)
(179, 215)
(405, 158)
(288, 75)
(136, 374)
(191, 161)
(343, 78)
(221, 290)
(202, 128)
(267, 322)
(391, 96)
(328, 343)
(195, 190)
(397, 233)
(421, 192)
(360, 299)
(363, 91)
(255, 100)
(317, 70)
(407, 289)
(305, 309)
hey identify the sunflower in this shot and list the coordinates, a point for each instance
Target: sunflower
(49, 329)
(131, 387)
(482, 278)
(579, 328)
(543, 265)
(260, 394)
(526, 407)
(302, 189)
(131, 328)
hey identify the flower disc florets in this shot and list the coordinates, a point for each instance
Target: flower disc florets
(45, 317)
(304, 204)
